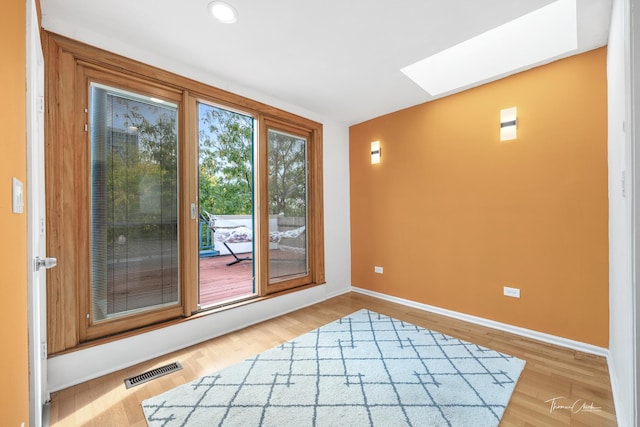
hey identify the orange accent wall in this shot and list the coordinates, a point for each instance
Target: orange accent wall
(452, 214)
(14, 387)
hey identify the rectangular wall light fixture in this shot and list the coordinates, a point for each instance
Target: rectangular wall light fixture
(375, 152)
(508, 123)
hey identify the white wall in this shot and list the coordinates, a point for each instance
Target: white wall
(621, 301)
(79, 366)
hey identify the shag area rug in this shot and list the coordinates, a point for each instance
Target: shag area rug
(365, 369)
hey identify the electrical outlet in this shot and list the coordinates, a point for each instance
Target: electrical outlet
(511, 292)
(377, 269)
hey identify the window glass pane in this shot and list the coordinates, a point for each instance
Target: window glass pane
(287, 160)
(134, 203)
(226, 193)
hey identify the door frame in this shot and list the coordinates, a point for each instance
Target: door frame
(36, 220)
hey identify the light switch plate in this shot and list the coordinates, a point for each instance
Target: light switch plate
(18, 197)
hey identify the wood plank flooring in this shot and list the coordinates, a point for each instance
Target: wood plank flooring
(221, 282)
(575, 379)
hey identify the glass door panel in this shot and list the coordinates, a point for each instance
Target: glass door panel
(226, 195)
(287, 196)
(134, 203)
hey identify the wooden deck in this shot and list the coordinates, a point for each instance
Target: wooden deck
(220, 282)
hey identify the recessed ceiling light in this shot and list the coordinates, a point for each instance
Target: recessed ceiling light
(539, 36)
(223, 12)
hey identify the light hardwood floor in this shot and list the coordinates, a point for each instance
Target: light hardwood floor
(575, 379)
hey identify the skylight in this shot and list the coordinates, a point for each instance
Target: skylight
(533, 38)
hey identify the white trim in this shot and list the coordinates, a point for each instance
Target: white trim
(615, 391)
(339, 292)
(632, 20)
(523, 332)
(36, 245)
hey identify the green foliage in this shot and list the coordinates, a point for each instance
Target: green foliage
(142, 178)
(141, 170)
(226, 161)
(287, 175)
(226, 166)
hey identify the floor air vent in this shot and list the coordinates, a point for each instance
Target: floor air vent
(152, 374)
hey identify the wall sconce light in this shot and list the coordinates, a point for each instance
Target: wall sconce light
(375, 152)
(508, 123)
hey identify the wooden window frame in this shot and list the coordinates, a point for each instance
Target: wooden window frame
(68, 63)
(314, 204)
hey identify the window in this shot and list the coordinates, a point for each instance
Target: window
(134, 203)
(143, 169)
(287, 201)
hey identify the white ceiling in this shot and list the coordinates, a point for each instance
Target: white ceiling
(338, 58)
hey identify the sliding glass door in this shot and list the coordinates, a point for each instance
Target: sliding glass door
(166, 197)
(134, 203)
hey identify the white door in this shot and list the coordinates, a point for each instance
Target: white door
(38, 390)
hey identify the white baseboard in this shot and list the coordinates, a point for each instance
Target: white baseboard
(339, 292)
(76, 367)
(527, 333)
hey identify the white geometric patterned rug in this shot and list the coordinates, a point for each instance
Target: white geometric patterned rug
(365, 369)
